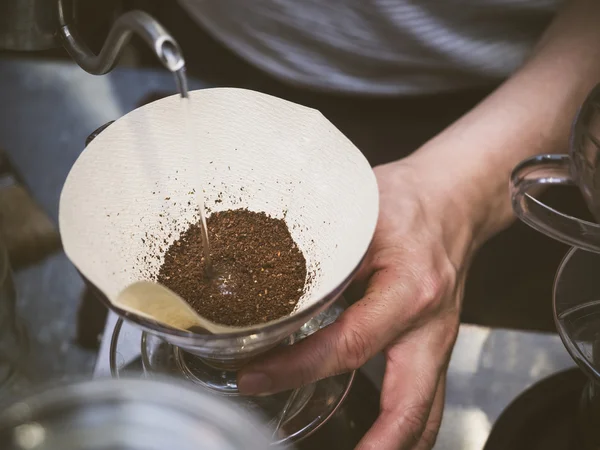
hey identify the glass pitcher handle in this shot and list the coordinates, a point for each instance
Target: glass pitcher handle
(544, 170)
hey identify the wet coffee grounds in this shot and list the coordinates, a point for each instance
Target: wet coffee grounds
(259, 271)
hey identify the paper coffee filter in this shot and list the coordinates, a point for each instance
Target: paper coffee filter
(131, 192)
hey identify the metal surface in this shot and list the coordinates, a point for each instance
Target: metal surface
(488, 370)
(544, 417)
(48, 110)
(138, 22)
(580, 167)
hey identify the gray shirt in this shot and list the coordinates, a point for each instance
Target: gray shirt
(384, 47)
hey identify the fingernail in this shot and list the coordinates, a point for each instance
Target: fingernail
(254, 383)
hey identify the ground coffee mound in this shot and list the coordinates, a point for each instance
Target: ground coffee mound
(259, 270)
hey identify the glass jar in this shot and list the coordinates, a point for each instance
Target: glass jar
(127, 414)
(577, 316)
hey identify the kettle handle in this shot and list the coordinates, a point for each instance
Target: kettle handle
(543, 170)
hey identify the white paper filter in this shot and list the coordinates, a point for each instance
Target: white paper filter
(130, 193)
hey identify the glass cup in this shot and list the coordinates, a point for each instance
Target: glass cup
(128, 415)
(577, 316)
(580, 168)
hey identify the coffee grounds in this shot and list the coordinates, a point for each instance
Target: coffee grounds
(259, 271)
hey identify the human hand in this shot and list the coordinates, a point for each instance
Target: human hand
(414, 274)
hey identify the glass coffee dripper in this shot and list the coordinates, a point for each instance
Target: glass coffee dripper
(134, 189)
(291, 416)
(576, 297)
(577, 315)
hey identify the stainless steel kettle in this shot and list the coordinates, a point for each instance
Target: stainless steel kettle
(27, 25)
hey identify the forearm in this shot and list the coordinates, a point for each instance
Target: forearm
(531, 113)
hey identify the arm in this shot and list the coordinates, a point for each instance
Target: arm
(436, 207)
(531, 113)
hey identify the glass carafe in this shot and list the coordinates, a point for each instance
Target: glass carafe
(127, 415)
(577, 316)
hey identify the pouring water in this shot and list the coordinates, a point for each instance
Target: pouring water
(181, 80)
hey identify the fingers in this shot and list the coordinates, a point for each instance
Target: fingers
(363, 330)
(432, 427)
(409, 415)
(303, 363)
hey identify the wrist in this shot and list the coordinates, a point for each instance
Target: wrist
(449, 216)
(474, 157)
(466, 202)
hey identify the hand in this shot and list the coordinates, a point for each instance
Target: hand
(414, 273)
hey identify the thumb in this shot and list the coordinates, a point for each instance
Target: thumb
(362, 330)
(335, 349)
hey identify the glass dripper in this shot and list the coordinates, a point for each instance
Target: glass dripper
(138, 178)
(577, 314)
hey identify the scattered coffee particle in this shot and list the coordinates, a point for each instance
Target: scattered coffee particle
(260, 271)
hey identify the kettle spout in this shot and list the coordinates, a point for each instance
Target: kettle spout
(162, 43)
